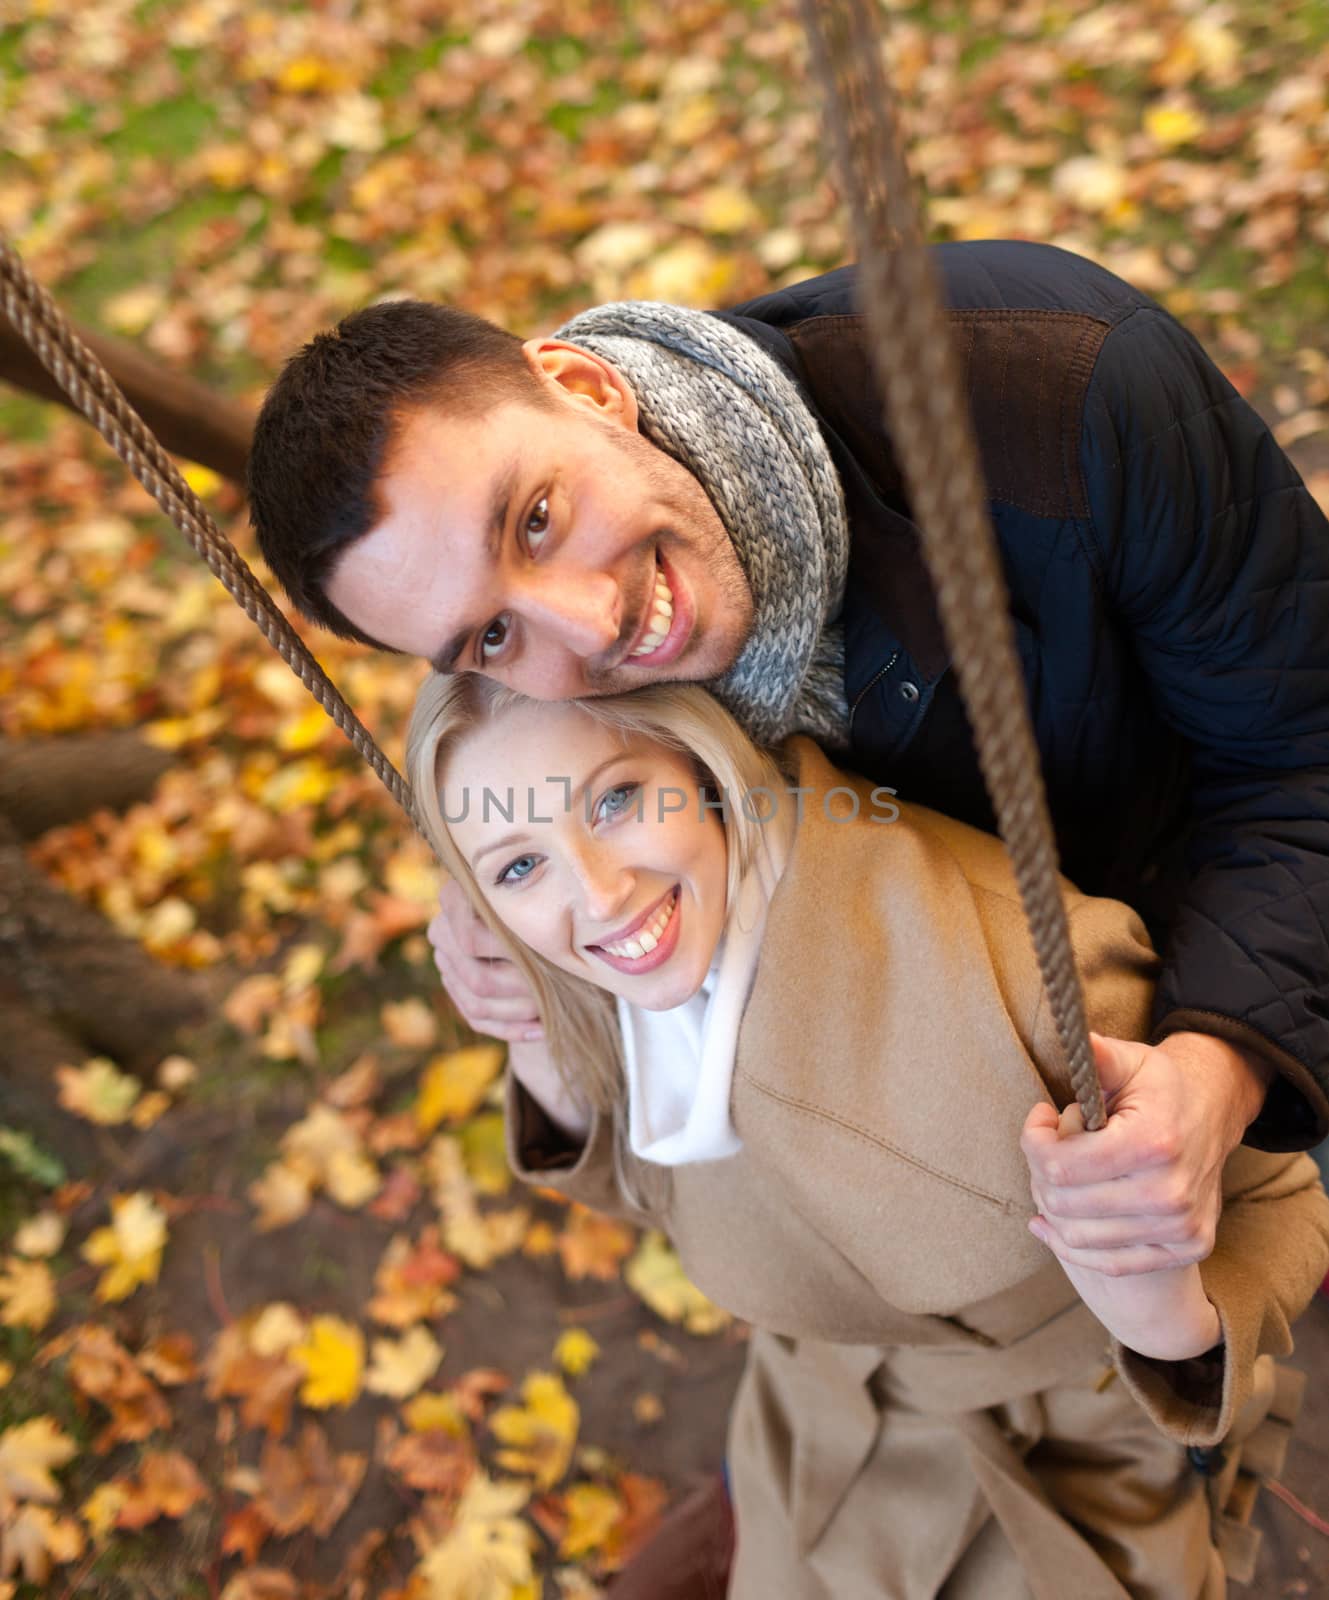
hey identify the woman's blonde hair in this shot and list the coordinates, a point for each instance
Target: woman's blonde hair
(579, 1020)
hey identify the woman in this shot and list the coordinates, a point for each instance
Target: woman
(826, 1035)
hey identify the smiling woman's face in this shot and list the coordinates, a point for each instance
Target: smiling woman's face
(593, 849)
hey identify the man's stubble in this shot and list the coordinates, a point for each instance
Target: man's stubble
(695, 533)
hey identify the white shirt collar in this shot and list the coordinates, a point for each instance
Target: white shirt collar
(679, 1064)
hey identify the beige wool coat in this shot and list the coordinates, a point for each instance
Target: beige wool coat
(928, 1409)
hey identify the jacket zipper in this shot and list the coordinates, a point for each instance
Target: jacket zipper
(876, 678)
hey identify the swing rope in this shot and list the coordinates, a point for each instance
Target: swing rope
(928, 421)
(95, 393)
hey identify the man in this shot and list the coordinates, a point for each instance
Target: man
(669, 494)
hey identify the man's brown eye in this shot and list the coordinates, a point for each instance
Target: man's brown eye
(493, 639)
(537, 524)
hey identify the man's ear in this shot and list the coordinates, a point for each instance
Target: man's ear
(584, 378)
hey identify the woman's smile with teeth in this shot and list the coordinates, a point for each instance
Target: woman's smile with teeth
(661, 617)
(644, 940)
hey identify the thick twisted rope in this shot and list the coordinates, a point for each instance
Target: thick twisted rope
(92, 389)
(929, 424)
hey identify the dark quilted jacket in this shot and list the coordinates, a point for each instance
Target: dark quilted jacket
(1169, 577)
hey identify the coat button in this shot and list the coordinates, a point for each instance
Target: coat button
(909, 691)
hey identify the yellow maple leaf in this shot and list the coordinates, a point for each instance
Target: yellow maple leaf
(176, 1073)
(303, 964)
(97, 1091)
(477, 1238)
(280, 1194)
(315, 1139)
(29, 1452)
(487, 1554)
(541, 1433)
(1172, 125)
(453, 1085)
(202, 480)
(656, 1274)
(1094, 183)
(431, 1413)
(726, 209)
(34, 1539)
(41, 1235)
(27, 1294)
(150, 1107)
(131, 1247)
(102, 1507)
(307, 782)
(575, 1351)
(409, 1023)
(276, 1328)
(132, 310)
(480, 1240)
(484, 1150)
(592, 1510)
(541, 1240)
(305, 729)
(686, 273)
(400, 1366)
(411, 873)
(332, 1357)
(312, 74)
(351, 1178)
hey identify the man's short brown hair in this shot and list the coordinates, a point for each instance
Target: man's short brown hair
(326, 430)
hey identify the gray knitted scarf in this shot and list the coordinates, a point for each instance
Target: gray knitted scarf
(716, 402)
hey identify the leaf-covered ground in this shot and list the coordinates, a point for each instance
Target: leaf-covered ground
(272, 1322)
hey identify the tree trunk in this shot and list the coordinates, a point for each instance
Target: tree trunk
(47, 782)
(191, 420)
(92, 986)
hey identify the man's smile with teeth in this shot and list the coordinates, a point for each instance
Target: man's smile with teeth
(660, 619)
(644, 940)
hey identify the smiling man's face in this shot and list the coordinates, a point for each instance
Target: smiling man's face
(551, 547)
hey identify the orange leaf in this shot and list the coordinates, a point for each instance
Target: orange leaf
(244, 1532)
(434, 1462)
(593, 1246)
(167, 1485)
(307, 1487)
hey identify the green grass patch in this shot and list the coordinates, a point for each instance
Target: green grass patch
(560, 53)
(12, 40)
(1308, 24)
(405, 66)
(571, 117)
(134, 254)
(1297, 312)
(167, 128)
(347, 255)
(981, 49)
(24, 418)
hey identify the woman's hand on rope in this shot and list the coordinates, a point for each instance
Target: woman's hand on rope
(1144, 1193)
(490, 994)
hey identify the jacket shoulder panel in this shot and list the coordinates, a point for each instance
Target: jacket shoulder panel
(1025, 373)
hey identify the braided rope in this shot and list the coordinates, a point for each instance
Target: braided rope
(92, 389)
(928, 419)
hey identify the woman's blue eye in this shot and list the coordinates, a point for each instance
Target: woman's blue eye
(512, 874)
(617, 800)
